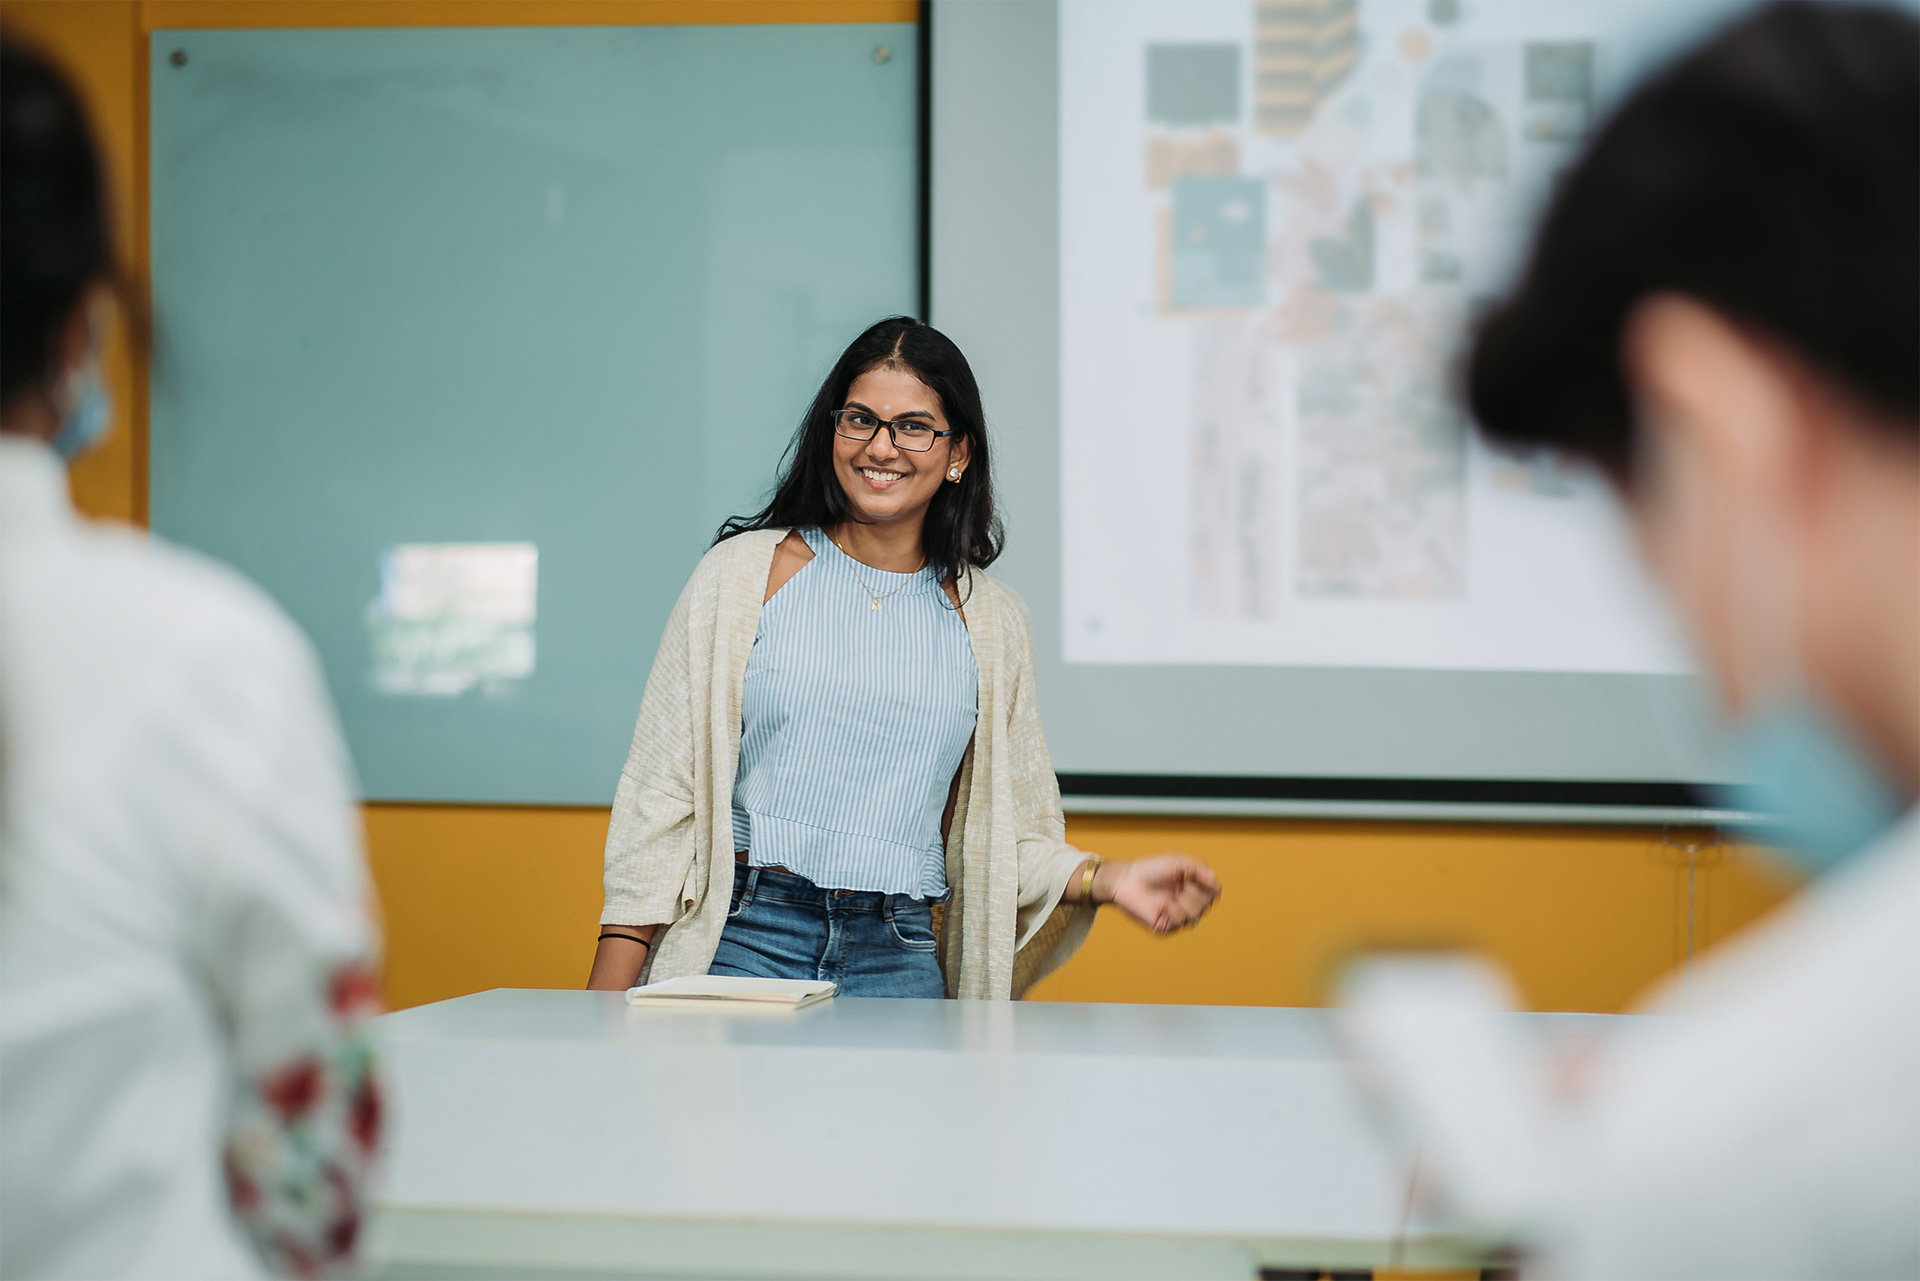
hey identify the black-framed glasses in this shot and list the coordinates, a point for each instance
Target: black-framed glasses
(907, 433)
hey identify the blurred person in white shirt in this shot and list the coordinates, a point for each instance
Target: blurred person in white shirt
(187, 1085)
(1721, 313)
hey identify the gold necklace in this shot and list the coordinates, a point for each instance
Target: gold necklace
(851, 563)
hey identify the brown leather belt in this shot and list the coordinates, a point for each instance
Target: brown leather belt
(740, 857)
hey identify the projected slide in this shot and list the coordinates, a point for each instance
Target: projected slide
(1277, 217)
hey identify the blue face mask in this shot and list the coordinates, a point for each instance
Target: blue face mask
(87, 417)
(1827, 797)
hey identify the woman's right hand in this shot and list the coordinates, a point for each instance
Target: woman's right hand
(618, 959)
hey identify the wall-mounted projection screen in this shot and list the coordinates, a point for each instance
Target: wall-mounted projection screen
(1211, 259)
(469, 339)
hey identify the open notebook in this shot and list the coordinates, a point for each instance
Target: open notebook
(694, 988)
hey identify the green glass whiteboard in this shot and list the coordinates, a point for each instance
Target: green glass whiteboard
(467, 340)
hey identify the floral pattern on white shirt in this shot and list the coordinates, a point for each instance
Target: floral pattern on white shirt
(303, 1141)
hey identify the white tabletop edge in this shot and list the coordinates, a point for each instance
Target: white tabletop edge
(1262, 1249)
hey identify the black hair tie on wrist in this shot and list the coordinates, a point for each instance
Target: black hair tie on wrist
(631, 938)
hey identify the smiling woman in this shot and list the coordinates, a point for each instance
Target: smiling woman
(846, 703)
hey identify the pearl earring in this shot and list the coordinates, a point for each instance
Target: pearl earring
(953, 473)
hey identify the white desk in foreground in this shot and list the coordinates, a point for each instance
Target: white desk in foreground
(544, 1133)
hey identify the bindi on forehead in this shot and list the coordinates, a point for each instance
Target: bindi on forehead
(890, 392)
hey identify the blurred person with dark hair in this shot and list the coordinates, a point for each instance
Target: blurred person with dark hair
(187, 1088)
(1722, 314)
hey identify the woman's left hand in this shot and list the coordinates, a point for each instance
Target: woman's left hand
(1164, 893)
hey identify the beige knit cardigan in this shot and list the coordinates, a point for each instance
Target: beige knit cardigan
(670, 846)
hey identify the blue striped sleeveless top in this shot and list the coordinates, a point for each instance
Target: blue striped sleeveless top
(854, 721)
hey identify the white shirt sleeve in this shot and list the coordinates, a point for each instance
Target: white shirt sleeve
(253, 789)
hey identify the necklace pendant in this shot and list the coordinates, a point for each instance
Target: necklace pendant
(876, 604)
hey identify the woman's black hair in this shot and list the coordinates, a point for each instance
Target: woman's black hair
(961, 532)
(1773, 175)
(53, 216)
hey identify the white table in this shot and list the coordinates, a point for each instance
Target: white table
(567, 1134)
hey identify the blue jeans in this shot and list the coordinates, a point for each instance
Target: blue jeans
(783, 926)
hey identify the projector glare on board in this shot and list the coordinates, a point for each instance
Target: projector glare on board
(453, 617)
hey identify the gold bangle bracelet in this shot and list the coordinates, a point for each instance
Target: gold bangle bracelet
(1086, 880)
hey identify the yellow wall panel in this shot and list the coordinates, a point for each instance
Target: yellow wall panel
(502, 896)
(1584, 918)
(483, 896)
